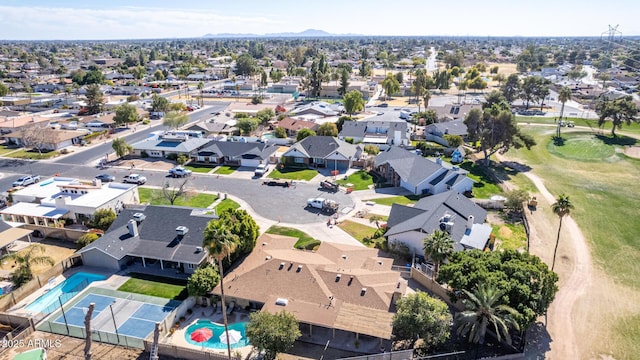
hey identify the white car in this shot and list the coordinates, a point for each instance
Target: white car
(261, 170)
(179, 171)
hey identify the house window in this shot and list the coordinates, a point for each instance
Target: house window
(318, 161)
(298, 160)
(191, 266)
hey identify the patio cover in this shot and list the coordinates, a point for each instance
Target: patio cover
(10, 235)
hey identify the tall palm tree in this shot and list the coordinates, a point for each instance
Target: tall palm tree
(24, 260)
(438, 246)
(563, 96)
(562, 207)
(483, 311)
(426, 97)
(221, 243)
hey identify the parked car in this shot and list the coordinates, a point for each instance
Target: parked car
(325, 205)
(134, 179)
(26, 180)
(384, 105)
(261, 170)
(180, 171)
(106, 177)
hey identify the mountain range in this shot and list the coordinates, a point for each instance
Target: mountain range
(305, 33)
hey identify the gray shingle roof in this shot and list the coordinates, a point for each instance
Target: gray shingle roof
(157, 235)
(426, 214)
(412, 168)
(358, 129)
(323, 146)
(238, 149)
(159, 144)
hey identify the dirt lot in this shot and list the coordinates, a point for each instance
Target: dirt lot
(56, 249)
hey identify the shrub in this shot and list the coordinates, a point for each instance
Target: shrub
(144, 154)
(256, 100)
(349, 140)
(146, 122)
(172, 156)
(86, 239)
(182, 159)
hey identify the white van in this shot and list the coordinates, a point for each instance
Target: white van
(405, 115)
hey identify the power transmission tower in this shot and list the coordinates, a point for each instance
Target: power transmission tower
(611, 34)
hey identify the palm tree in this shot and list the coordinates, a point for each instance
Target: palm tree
(438, 246)
(221, 243)
(561, 207)
(482, 309)
(426, 97)
(376, 219)
(563, 96)
(24, 260)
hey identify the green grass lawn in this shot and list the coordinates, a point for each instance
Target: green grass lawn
(591, 123)
(155, 286)
(511, 236)
(226, 204)
(383, 218)
(203, 169)
(5, 149)
(606, 208)
(356, 230)
(585, 147)
(402, 200)
(225, 170)
(361, 180)
(484, 186)
(155, 197)
(293, 174)
(33, 155)
(304, 240)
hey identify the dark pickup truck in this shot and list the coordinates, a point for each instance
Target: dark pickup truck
(330, 186)
(277, 182)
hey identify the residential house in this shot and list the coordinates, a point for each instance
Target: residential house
(292, 126)
(161, 240)
(419, 175)
(337, 289)
(454, 111)
(212, 128)
(376, 132)
(44, 138)
(449, 211)
(323, 152)
(235, 153)
(172, 142)
(330, 89)
(440, 129)
(57, 198)
(108, 62)
(284, 87)
(319, 108)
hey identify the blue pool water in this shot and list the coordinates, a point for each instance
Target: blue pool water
(64, 291)
(217, 330)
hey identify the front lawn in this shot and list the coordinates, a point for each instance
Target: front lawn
(203, 169)
(4, 149)
(304, 240)
(357, 231)
(402, 200)
(193, 199)
(361, 180)
(155, 286)
(226, 204)
(485, 186)
(225, 170)
(293, 174)
(32, 155)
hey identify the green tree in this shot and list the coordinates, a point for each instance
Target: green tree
(158, 75)
(496, 130)
(437, 246)
(241, 224)
(303, 133)
(516, 199)
(125, 114)
(344, 82)
(511, 88)
(95, 99)
(280, 132)
(453, 140)
(527, 282)
(221, 243)
(159, 103)
(328, 129)
(175, 119)
(4, 90)
(353, 102)
(247, 125)
(426, 97)
(618, 110)
(272, 334)
(121, 147)
(418, 87)
(24, 259)
(102, 219)
(177, 106)
(202, 281)
(563, 96)
(371, 149)
(265, 115)
(420, 316)
(246, 65)
(93, 77)
(86, 239)
(484, 310)
(390, 85)
(562, 207)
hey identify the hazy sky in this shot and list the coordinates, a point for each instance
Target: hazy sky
(120, 19)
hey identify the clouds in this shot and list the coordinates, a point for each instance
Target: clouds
(38, 22)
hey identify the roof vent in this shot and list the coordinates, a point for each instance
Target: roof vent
(198, 249)
(363, 291)
(264, 244)
(281, 266)
(299, 268)
(282, 302)
(338, 277)
(268, 257)
(345, 257)
(182, 230)
(139, 217)
(380, 263)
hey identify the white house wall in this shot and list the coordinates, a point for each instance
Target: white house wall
(463, 186)
(412, 239)
(97, 258)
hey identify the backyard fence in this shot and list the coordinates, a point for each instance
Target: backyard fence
(180, 352)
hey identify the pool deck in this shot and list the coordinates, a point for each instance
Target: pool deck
(208, 313)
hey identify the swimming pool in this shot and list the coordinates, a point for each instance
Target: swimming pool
(217, 330)
(64, 291)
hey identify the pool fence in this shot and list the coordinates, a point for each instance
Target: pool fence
(181, 352)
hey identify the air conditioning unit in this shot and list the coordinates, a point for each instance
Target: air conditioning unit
(182, 230)
(139, 217)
